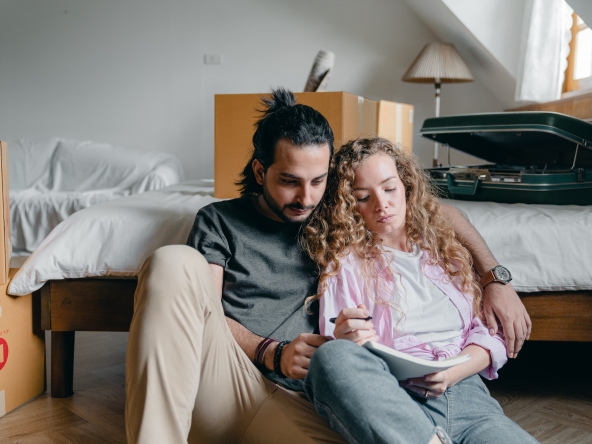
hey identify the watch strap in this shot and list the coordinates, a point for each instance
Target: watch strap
(487, 278)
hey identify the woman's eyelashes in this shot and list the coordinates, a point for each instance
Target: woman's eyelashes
(366, 198)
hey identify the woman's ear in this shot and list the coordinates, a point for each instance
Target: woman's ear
(258, 171)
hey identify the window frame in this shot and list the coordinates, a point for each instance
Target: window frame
(570, 84)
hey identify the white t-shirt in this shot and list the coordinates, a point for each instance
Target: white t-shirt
(428, 313)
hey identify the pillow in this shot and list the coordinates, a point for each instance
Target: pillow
(85, 166)
(29, 161)
(114, 238)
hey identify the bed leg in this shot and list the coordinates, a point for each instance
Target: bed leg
(62, 363)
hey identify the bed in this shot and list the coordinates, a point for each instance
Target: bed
(83, 274)
(51, 179)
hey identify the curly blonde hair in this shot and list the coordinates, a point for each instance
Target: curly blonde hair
(336, 228)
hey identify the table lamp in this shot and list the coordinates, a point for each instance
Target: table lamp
(438, 63)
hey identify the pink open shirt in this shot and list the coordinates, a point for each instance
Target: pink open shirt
(347, 290)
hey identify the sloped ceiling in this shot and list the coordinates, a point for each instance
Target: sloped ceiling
(487, 34)
(448, 27)
(583, 8)
(496, 24)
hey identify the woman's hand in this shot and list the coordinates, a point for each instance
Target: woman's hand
(352, 329)
(437, 383)
(429, 386)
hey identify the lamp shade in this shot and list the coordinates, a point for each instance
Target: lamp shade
(438, 63)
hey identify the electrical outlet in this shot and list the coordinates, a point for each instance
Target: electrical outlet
(213, 59)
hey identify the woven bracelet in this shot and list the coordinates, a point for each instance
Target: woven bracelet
(277, 359)
(259, 359)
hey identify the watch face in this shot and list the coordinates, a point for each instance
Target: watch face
(502, 274)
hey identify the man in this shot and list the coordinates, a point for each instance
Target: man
(201, 370)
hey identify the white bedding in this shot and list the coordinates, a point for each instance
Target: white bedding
(114, 238)
(50, 179)
(34, 214)
(545, 247)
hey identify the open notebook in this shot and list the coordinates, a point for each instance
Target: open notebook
(404, 366)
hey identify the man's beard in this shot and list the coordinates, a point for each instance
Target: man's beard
(279, 211)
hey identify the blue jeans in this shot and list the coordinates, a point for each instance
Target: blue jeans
(355, 391)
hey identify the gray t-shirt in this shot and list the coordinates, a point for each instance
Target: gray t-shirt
(267, 276)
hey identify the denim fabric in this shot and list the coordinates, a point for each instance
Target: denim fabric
(470, 415)
(355, 391)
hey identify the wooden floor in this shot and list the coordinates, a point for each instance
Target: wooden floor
(548, 391)
(95, 414)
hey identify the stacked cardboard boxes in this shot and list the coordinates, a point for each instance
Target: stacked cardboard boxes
(350, 117)
(22, 343)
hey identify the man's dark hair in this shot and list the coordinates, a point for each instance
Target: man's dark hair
(301, 125)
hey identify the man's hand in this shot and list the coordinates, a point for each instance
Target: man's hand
(350, 325)
(498, 299)
(501, 302)
(296, 355)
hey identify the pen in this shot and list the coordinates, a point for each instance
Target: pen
(332, 320)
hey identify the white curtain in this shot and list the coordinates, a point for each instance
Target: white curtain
(544, 50)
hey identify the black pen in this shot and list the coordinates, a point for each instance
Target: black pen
(332, 320)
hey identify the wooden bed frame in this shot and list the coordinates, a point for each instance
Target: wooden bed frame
(107, 304)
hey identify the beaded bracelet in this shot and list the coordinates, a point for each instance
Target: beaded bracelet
(259, 359)
(277, 358)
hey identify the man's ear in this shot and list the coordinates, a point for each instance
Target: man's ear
(258, 170)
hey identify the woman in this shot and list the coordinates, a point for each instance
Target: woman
(386, 251)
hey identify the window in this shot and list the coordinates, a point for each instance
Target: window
(578, 74)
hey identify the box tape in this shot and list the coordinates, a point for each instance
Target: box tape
(360, 114)
(398, 123)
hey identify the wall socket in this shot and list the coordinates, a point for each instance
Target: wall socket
(213, 59)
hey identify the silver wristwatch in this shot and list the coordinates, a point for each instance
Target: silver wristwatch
(498, 274)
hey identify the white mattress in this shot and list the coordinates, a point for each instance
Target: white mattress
(114, 238)
(547, 248)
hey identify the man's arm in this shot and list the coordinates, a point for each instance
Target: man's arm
(295, 356)
(499, 300)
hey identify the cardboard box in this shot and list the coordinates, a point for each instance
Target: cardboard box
(5, 245)
(395, 123)
(22, 350)
(350, 117)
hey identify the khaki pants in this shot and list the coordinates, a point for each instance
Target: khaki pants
(187, 378)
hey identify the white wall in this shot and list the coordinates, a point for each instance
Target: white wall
(479, 48)
(131, 72)
(497, 24)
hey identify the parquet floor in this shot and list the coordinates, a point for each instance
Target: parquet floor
(548, 391)
(94, 414)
